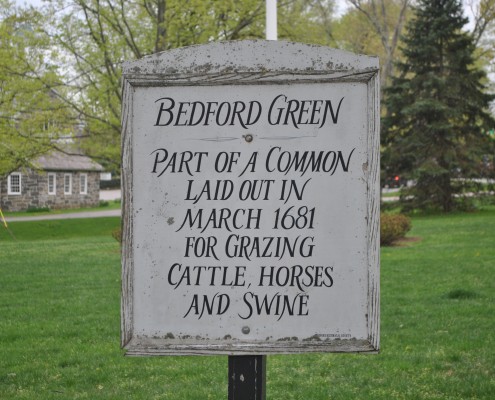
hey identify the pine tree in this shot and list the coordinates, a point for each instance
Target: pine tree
(435, 131)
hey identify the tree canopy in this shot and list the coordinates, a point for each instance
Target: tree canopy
(31, 115)
(436, 129)
(95, 36)
(377, 26)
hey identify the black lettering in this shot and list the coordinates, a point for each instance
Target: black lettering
(165, 109)
(180, 111)
(280, 109)
(193, 113)
(334, 115)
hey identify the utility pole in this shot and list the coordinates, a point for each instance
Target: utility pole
(271, 20)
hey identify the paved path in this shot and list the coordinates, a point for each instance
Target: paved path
(84, 214)
(107, 195)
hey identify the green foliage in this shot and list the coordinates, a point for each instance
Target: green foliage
(437, 110)
(38, 210)
(484, 30)
(31, 115)
(96, 37)
(393, 227)
(362, 39)
(373, 27)
(307, 21)
(111, 184)
(117, 234)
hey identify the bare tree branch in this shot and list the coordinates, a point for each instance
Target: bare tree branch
(377, 14)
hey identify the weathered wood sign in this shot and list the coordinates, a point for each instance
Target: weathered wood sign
(251, 200)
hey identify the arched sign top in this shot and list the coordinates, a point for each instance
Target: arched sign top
(253, 56)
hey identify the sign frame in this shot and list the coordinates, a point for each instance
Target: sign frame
(250, 62)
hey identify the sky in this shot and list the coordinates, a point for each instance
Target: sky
(341, 6)
(29, 2)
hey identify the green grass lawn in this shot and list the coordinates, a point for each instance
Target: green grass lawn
(60, 323)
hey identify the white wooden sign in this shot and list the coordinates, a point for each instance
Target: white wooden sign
(251, 200)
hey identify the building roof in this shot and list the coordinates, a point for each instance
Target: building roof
(58, 161)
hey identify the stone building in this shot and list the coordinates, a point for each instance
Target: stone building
(58, 181)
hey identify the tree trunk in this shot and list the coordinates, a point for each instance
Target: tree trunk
(447, 200)
(161, 30)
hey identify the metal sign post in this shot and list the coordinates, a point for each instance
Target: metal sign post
(247, 378)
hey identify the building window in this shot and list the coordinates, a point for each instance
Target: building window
(14, 183)
(68, 184)
(52, 183)
(83, 183)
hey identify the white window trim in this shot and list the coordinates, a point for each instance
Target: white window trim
(68, 192)
(83, 190)
(54, 191)
(9, 185)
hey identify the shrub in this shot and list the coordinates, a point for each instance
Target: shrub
(393, 227)
(117, 235)
(37, 209)
(112, 184)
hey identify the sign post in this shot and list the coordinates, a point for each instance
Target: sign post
(271, 20)
(247, 377)
(250, 202)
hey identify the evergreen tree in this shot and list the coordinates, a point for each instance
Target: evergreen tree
(437, 119)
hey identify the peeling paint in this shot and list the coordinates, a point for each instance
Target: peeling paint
(288, 339)
(312, 338)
